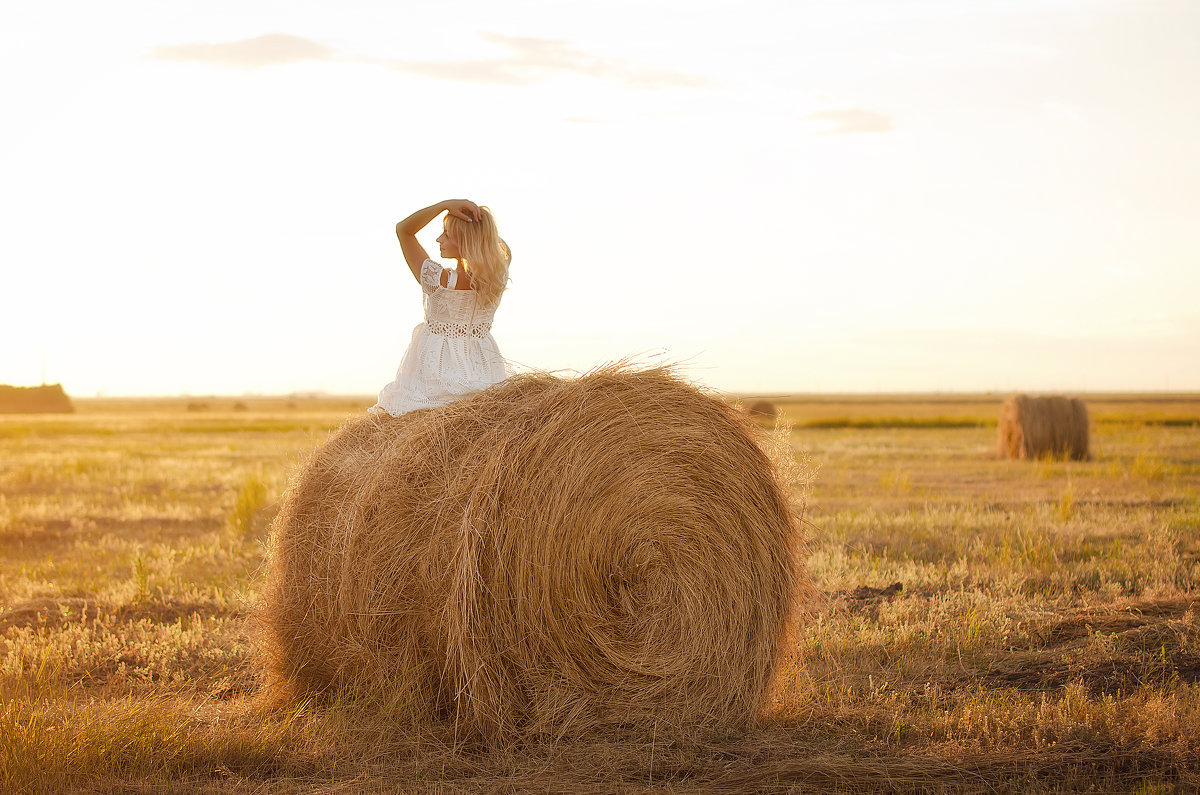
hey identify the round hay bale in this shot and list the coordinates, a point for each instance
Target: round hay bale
(762, 409)
(1039, 427)
(546, 556)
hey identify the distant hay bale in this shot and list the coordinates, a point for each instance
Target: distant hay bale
(1036, 427)
(45, 399)
(762, 409)
(197, 405)
(548, 555)
(240, 406)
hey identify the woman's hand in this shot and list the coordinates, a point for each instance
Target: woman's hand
(462, 208)
(406, 230)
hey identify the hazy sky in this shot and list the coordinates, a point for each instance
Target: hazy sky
(840, 195)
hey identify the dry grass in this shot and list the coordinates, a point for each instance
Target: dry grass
(547, 557)
(1044, 638)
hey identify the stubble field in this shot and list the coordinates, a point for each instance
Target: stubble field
(988, 625)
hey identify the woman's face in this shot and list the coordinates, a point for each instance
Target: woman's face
(448, 246)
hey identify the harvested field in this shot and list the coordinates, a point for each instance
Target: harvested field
(1044, 637)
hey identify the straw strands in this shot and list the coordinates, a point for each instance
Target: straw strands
(549, 556)
(1035, 427)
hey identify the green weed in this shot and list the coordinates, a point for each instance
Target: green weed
(251, 496)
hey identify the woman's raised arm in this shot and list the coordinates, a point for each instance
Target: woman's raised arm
(406, 230)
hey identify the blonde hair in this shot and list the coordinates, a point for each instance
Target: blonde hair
(484, 255)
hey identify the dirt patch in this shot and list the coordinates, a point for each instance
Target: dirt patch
(45, 536)
(1081, 623)
(171, 611)
(865, 593)
(865, 598)
(38, 533)
(1131, 502)
(1112, 678)
(49, 612)
(161, 528)
(1110, 652)
(55, 613)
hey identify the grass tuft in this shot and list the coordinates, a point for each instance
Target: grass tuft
(251, 497)
(1066, 503)
(141, 580)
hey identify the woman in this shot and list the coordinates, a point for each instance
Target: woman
(452, 353)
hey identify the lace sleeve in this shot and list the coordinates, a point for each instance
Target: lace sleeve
(431, 275)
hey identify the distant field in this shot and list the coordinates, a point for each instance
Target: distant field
(967, 410)
(801, 410)
(223, 405)
(1044, 635)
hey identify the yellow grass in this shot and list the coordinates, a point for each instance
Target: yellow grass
(1046, 636)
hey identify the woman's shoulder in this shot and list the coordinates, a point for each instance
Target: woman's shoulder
(434, 276)
(431, 275)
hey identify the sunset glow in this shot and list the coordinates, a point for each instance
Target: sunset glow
(811, 196)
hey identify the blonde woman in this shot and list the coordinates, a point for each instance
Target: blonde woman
(452, 353)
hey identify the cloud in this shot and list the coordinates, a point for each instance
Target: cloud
(272, 49)
(853, 120)
(530, 60)
(527, 60)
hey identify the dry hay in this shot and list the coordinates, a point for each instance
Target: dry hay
(762, 409)
(545, 557)
(1037, 427)
(45, 399)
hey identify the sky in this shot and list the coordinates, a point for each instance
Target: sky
(776, 196)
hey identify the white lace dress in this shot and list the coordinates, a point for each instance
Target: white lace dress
(452, 353)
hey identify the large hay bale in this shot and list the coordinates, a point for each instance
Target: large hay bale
(549, 555)
(45, 399)
(1037, 427)
(762, 409)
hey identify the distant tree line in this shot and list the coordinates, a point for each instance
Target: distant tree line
(45, 399)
